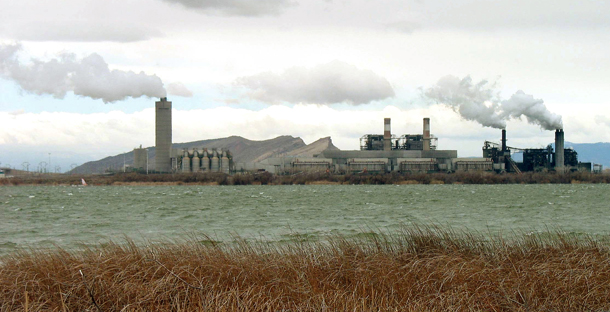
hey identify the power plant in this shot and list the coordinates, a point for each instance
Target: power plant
(168, 159)
(417, 153)
(379, 153)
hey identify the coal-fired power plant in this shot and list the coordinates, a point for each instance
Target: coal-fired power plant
(379, 153)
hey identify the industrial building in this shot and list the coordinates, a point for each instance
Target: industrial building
(379, 153)
(534, 159)
(140, 158)
(204, 160)
(418, 153)
(168, 159)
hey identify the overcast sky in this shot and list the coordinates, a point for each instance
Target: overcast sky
(78, 79)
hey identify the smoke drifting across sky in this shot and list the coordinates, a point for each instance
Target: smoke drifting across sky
(90, 77)
(480, 102)
(330, 83)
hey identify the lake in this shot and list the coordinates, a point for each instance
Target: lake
(69, 216)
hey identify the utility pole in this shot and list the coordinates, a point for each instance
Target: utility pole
(26, 166)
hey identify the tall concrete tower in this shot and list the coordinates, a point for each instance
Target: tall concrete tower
(163, 135)
(559, 150)
(387, 134)
(426, 134)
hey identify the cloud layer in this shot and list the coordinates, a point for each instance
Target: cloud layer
(90, 77)
(480, 102)
(83, 31)
(334, 82)
(237, 7)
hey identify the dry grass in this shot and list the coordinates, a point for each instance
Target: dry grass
(422, 269)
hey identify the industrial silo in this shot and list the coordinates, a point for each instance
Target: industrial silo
(186, 161)
(205, 161)
(215, 161)
(195, 161)
(224, 162)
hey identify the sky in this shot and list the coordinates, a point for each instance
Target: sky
(79, 78)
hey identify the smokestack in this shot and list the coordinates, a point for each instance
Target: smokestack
(559, 158)
(426, 134)
(163, 135)
(504, 140)
(387, 135)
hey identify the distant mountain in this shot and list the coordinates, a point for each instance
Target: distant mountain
(243, 150)
(597, 153)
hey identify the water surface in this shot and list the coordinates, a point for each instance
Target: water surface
(43, 216)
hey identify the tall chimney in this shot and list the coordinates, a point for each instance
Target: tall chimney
(559, 158)
(504, 140)
(426, 134)
(387, 135)
(163, 135)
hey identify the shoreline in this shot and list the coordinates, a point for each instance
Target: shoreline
(210, 179)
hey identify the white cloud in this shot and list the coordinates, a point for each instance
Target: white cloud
(237, 7)
(83, 31)
(179, 89)
(334, 82)
(89, 77)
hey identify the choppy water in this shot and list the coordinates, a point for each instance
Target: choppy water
(43, 216)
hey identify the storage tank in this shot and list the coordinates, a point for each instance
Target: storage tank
(224, 163)
(140, 156)
(195, 161)
(186, 161)
(215, 162)
(205, 160)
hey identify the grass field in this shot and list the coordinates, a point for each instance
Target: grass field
(420, 269)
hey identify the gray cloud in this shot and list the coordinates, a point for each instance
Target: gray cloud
(179, 89)
(403, 27)
(604, 120)
(480, 102)
(83, 31)
(237, 7)
(520, 14)
(334, 82)
(89, 77)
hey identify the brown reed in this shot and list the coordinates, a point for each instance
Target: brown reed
(420, 269)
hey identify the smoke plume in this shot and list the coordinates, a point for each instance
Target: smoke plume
(480, 102)
(90, 77)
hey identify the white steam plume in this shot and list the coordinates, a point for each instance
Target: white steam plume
(88, 77)
(481, 103)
